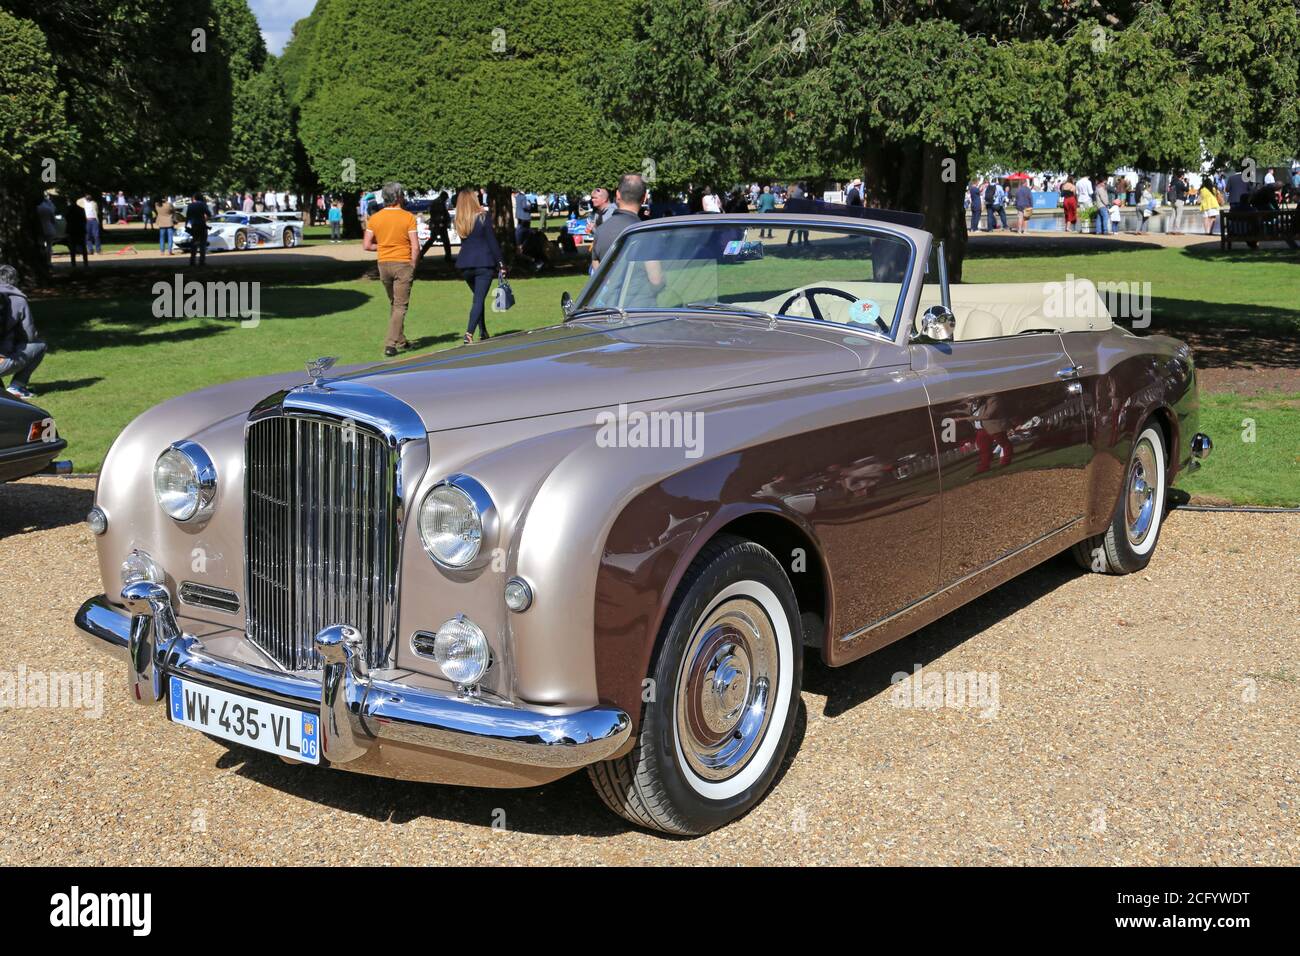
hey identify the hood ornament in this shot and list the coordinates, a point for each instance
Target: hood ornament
(316, 368)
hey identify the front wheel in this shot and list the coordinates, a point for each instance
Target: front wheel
(241, 241)
(1130, 540)
(723, 696)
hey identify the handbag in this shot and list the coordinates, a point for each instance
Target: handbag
(504, 297)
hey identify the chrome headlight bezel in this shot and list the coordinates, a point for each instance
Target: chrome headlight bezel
(202, 502)
(484, 511)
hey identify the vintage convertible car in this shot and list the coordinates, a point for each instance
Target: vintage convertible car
(29, 441)
(254, 230)
(607, 543)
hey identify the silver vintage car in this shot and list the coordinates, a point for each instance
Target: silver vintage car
(608, 543)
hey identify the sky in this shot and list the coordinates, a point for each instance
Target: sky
(277, 17)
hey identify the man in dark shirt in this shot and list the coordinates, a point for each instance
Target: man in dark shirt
(439, 223)
(630, 195)
(1238, 191)
(523, 217)
(196, 224)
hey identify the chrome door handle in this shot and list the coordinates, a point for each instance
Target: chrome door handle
(1070, 371)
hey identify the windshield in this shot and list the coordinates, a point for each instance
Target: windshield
(848, 276)
(230, 217)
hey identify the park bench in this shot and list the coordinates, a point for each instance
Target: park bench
(1259, 225)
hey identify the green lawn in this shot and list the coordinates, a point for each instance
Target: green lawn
(1256, 455)
(111, 358)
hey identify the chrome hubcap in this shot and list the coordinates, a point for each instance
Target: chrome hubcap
(724, 689)
(1140, 502)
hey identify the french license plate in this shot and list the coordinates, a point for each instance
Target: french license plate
(254, 723)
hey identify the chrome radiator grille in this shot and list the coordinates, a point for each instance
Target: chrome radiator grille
(320, 536)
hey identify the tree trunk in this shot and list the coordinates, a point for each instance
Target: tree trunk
(351, 221)
(920, 177)
(19, 227)
(502, 211)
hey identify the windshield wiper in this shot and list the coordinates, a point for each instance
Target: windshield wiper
(596, 310)
(736, 309)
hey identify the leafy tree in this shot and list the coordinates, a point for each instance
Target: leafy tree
(450, 92)
(145, 94)
(33, 127)
(911, 92)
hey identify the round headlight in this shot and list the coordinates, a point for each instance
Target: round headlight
(462, 651)
(451, 526)
(138, 567)
(185, 481)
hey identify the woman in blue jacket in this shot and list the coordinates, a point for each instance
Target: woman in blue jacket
(479, 258)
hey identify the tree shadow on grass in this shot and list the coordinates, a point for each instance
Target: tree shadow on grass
(1031, 246)
(67, 384)
(1230, 335)
(80, 327)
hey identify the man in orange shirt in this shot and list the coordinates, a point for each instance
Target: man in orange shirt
(393, 233)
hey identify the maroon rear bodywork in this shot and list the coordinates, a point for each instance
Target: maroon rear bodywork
(898, 525)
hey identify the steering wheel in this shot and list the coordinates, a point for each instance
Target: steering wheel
(810, 295)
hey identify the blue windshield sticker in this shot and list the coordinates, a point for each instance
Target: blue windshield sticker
(864, 312)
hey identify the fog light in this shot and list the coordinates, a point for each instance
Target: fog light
(519, 595)
(462, 651)
(138, 567)
(97, 520)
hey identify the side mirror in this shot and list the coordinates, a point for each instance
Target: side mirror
(938, 324)
(566, 305)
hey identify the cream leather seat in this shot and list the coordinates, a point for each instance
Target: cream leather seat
(978, 324)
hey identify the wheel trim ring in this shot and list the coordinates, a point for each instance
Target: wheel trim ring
(1140, 493)
(718, 754)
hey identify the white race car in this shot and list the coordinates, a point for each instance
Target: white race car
(253, 230)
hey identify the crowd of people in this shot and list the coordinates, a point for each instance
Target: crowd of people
(1098, 203)
(391, 230)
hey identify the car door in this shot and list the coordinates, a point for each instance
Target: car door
(1008, 419)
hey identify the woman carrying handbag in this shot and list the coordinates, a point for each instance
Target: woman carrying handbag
(479, 259)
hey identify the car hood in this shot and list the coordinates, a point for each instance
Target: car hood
(595, 364)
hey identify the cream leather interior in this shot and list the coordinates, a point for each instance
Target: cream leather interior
(985, 311)
(982, 310)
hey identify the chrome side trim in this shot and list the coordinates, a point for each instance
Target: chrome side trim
(934, 595)
(361, 710)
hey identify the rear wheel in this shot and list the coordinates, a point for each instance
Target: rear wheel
(1131, 539)
(290, 239)
(724, 694)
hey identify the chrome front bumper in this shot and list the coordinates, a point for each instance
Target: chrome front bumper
(356, 710)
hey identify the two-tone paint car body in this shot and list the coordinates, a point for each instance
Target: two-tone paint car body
(673, 500)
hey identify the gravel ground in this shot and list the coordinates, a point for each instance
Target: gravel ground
(1141, 720)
